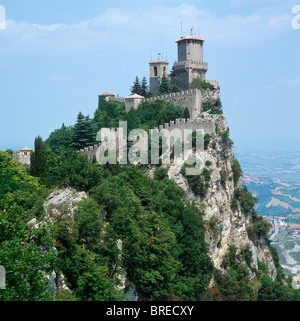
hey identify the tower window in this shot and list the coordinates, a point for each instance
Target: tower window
(155, 71)
(165, 70)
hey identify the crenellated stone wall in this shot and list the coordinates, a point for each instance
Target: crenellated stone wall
(193, 124)
(192, 99)
(180, 123)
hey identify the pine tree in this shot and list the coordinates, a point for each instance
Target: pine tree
(165, 86)
(136, 87)
(83, 132)
(38, 158)
(144, 87)
(174, 81)
(186, 114)
(60, 140)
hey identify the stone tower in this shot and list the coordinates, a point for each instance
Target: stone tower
(157, 69)
(190, 60)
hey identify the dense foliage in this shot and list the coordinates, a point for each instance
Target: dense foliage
(130, 222)
(21, 199)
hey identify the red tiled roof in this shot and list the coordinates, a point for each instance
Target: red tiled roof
(26, 149)
(106, 94)
(159, 61)
(135, 96)
(191, 37)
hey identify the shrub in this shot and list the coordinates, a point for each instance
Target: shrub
(246, 255)
(211, 108)
(247, 201)
(208, 163)
(160, 173)
(213, 225)
(206, 174)
(201, 84)
(223, 177)
(233, 203)
(198, 183)
(225, 136)
(207, 138)
(237, 171)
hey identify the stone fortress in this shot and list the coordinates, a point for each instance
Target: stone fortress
(190, 65)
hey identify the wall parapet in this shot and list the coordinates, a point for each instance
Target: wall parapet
(179, 123)
(179, 94)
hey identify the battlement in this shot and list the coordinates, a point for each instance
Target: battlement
(179, 94)
(191, 99)
(119, 99)
(190, 64)
(193, 124)
(180, 123)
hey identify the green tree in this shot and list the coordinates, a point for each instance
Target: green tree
(25, 252)
(108, 114)
(165, 86)
(71, 169)
(144, 88)
(174, 81)
(38, 158)
(186, 114)
(13, 176)
(83, 132)
(237, 171)
(88, 221)
(60, 141)
(136, 87)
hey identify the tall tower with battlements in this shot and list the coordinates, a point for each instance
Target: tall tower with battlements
(190, 63)
(158, 68)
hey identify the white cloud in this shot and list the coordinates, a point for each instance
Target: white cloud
(132, 28)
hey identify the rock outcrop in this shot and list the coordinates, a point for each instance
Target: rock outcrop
(231, 224)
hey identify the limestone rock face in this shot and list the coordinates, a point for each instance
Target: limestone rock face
(60, 203)
(63, 201)
(231, 223)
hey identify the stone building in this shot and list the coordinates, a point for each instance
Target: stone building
(158, 68)
(23, 155)
(107, 96)
(133, 101)
(190, 63)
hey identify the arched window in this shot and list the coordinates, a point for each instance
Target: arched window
(165, 69)
(155, 71)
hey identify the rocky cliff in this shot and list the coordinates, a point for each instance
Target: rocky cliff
(230, 225)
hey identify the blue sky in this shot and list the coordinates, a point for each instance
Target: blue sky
(57, 56)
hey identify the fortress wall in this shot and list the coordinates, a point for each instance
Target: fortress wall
(192, 99)
(119, 99)
(180, 123)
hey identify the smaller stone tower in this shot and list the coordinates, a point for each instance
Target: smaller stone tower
(157, 69)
